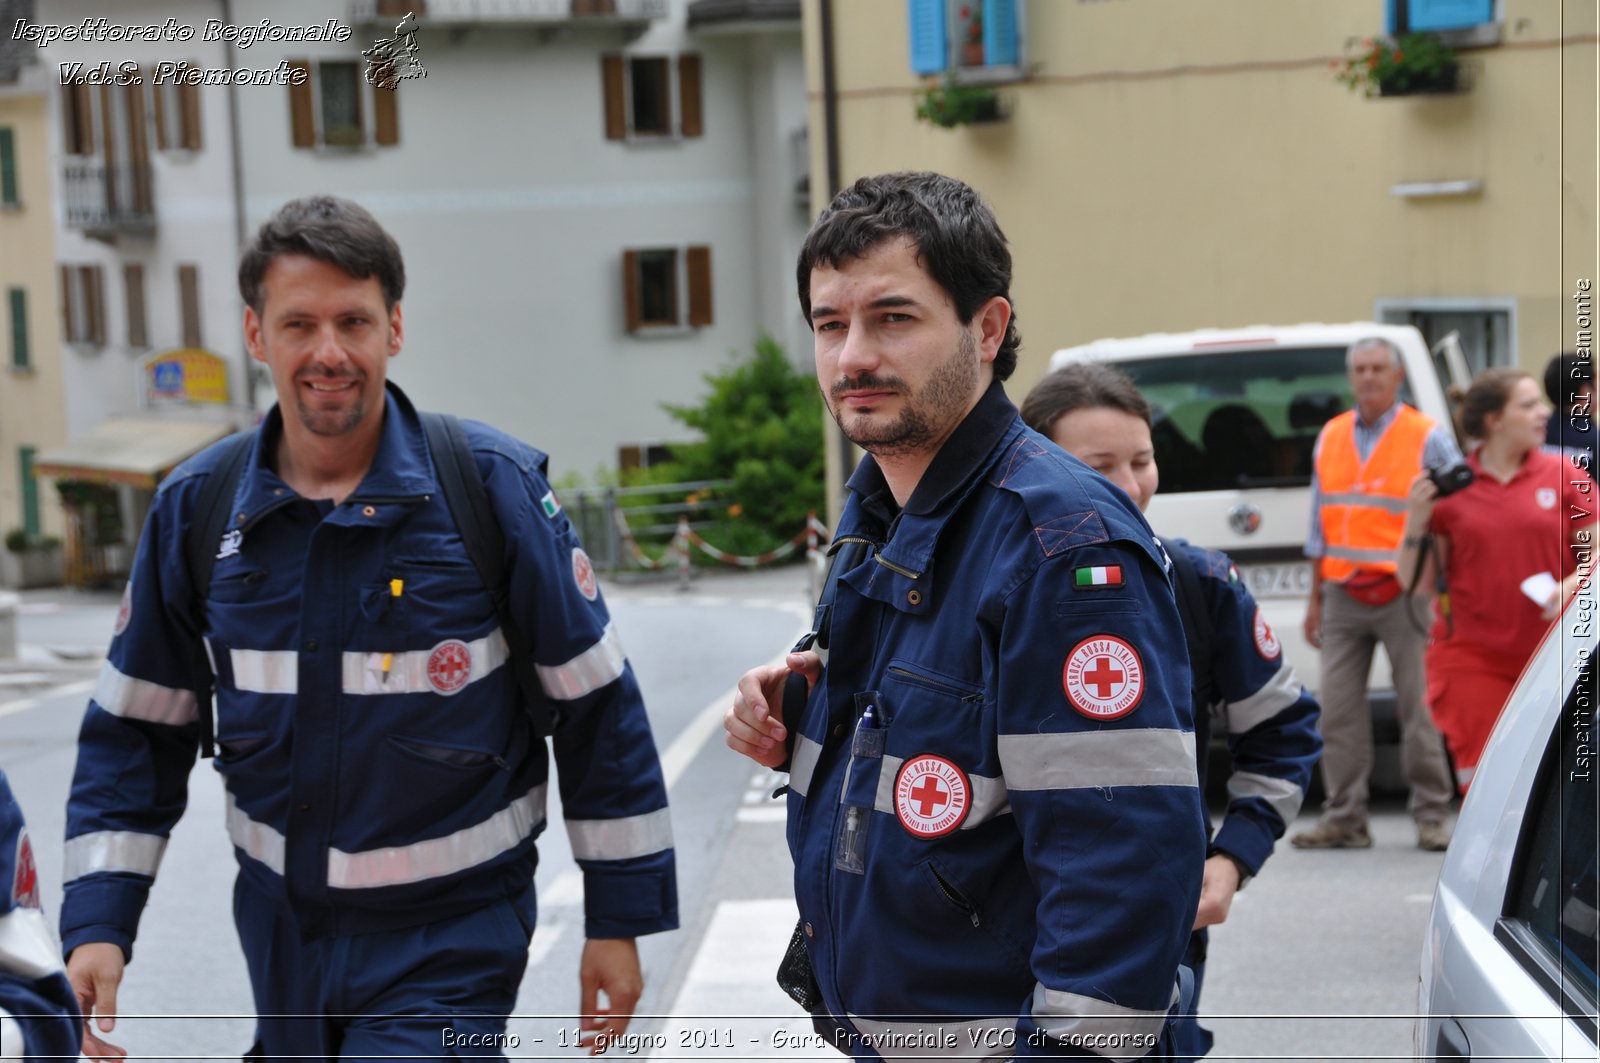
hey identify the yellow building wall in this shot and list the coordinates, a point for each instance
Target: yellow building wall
(32, 401)
(1170, 165)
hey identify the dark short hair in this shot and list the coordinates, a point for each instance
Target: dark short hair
(1082, 386)
(958, 242)
(1489, 393)
(1564, 375)
(329, 229)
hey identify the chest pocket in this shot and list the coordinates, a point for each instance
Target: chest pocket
(426, 598)
(927, 711)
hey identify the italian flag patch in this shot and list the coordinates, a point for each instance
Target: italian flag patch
(550, 504)
(1098, 576)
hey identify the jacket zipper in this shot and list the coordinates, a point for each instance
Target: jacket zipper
(954, 896)
(918, 679)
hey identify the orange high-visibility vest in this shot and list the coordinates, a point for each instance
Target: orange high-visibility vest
(1364, 504)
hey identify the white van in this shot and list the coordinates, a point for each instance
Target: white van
(1236, 413)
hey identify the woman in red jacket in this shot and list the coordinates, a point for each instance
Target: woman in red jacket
(1508, 545)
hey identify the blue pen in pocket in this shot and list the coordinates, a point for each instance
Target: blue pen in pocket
(860, 785)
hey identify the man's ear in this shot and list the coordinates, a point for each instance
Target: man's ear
(397, 330)
(992, 319)
(252, 335)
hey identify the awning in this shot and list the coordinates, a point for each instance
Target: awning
(135, 451)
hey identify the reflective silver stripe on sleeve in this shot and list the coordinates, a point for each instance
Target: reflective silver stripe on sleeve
(256, 840)
(1063, 1015)
(408, 672)
(802, 763)
(1282, 795)
(620, 839)
(987, 794)
(265, 671)
(139, 699)
(437, 857)
(1277, 694)
(1386, 503)
(972, 1039)
(590, 670)
(123, 851)
(10, 1034)
(1351, 553)
(1092, 759)
(27, 945)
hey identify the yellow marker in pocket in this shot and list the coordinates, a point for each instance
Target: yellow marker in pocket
(388, 659)
(396, 587)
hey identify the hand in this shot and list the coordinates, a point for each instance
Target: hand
(755, 722)
(1313, 621)
(1217, 888)
(1420, 501)
(1561, 595)
(95, 971)
(609, 966)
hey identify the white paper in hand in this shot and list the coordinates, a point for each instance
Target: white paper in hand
(1539, 587)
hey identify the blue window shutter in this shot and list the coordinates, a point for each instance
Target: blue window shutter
(30, 492)
(929, 51)
(8, 167)
(18, 299)
(1000, 33)
(1391, 17)
(1426, 16)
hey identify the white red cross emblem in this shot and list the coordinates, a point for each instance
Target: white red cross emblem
(25, 884)
(1546, 497)
(1267, 643)
(449, 666)
(931, 796)
(124, 611)
(1103, 677)
(583, 573)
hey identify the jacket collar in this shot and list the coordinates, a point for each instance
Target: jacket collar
(400, 470)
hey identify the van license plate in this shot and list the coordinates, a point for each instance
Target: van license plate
(1289, 580)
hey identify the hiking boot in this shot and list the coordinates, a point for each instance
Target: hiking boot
(1332, 836)
(1434, 837)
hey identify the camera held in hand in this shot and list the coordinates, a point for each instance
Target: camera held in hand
(1452, 479)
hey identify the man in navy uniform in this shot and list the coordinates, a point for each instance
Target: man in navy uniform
(38, 1013)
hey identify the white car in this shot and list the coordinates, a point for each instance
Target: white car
(1236, 413)
(1513, 942)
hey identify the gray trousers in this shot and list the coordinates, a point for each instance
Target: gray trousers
(1350, 632)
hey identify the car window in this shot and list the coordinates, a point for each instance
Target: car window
(1555, 892)
(1238, 419)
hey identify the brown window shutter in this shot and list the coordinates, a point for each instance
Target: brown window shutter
(189, 101)
(138, 148)
(630, 290)
(691, 121)
(386, 116)
(301, 118)
(699, 262)
(616, 97)
(83, 120)
(158, 105)
(94, 296)
(69, 325)
(133, 295)
(189, 304)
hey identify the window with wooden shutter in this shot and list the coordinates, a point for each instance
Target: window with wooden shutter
(958, 35)
(66, 280)
(77, 114)
(302, 118)
(8, 167)
(630, 290)
(650, 95)
(339, 105)
(94, 301)
(690, 121)
(138, 149)
(17, 298)
(30, 490)
(614, 86)
(133, 297)
(189, 108)
(385, 116)
(189, 304)
(698, 260)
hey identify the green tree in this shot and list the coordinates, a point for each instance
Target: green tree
(762, 428)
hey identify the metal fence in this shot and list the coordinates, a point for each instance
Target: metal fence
(652, 514)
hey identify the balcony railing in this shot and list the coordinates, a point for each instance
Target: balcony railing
(107, 201)
(461, 13)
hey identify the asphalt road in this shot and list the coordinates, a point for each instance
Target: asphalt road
(1318, 960)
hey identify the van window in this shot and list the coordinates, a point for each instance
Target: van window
(1240, 419)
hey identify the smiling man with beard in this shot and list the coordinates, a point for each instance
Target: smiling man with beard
(385, 785)
(993, 809)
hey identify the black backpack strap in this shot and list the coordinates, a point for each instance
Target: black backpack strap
(1198, 633)
(208, 520)
(848, 553)
(485, 541)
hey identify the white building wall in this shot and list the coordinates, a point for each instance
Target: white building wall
(513, 212)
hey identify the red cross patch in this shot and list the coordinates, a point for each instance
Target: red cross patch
(449, 666)
(25, 886)
(1267, 643)
(583, 573)
(124, 611)
(1103, 677)
(931, 796)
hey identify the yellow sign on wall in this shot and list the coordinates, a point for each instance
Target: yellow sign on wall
(187, 375)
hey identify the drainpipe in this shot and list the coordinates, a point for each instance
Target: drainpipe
(844, 451)
(236, 160)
